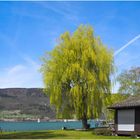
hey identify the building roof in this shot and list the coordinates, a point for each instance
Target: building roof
(130, 102)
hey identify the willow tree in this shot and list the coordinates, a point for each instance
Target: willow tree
(77, 73)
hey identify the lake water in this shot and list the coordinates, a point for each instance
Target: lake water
(27, 126)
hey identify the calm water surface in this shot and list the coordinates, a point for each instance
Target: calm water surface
(27, 126)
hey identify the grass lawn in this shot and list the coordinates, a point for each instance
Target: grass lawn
(56, 134)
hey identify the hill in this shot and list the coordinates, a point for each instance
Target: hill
(29, 101)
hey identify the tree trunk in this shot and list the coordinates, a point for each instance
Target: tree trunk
(85, 124)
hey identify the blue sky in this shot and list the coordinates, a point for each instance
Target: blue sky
(28, 29)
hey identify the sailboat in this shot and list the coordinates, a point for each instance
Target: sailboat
(38, 120)
(65, 120)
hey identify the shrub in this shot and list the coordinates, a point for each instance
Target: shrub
(103, 131)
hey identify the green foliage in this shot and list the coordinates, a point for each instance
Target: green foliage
(115, 98)
(77, 73)
(130, 81)
(103, 131)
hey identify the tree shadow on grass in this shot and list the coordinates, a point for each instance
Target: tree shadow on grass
(31, 135)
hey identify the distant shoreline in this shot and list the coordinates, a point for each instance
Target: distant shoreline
(41, 120)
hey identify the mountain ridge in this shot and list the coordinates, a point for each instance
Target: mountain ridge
(31, 101)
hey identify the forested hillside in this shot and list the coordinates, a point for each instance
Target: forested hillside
(29, 101)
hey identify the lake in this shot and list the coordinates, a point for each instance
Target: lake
(28, 126)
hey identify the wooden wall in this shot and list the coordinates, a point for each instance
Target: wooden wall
(137, 119)
(137, 122)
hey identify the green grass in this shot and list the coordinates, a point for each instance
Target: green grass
(56, 134)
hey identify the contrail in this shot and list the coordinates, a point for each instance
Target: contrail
(126, 45)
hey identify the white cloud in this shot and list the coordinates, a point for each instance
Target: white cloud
(16, 69)
(20, 75)
(127, 44)
(64, 10)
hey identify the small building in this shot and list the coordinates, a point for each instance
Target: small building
(127, 116)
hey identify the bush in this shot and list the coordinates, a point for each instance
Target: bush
(103, 131)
